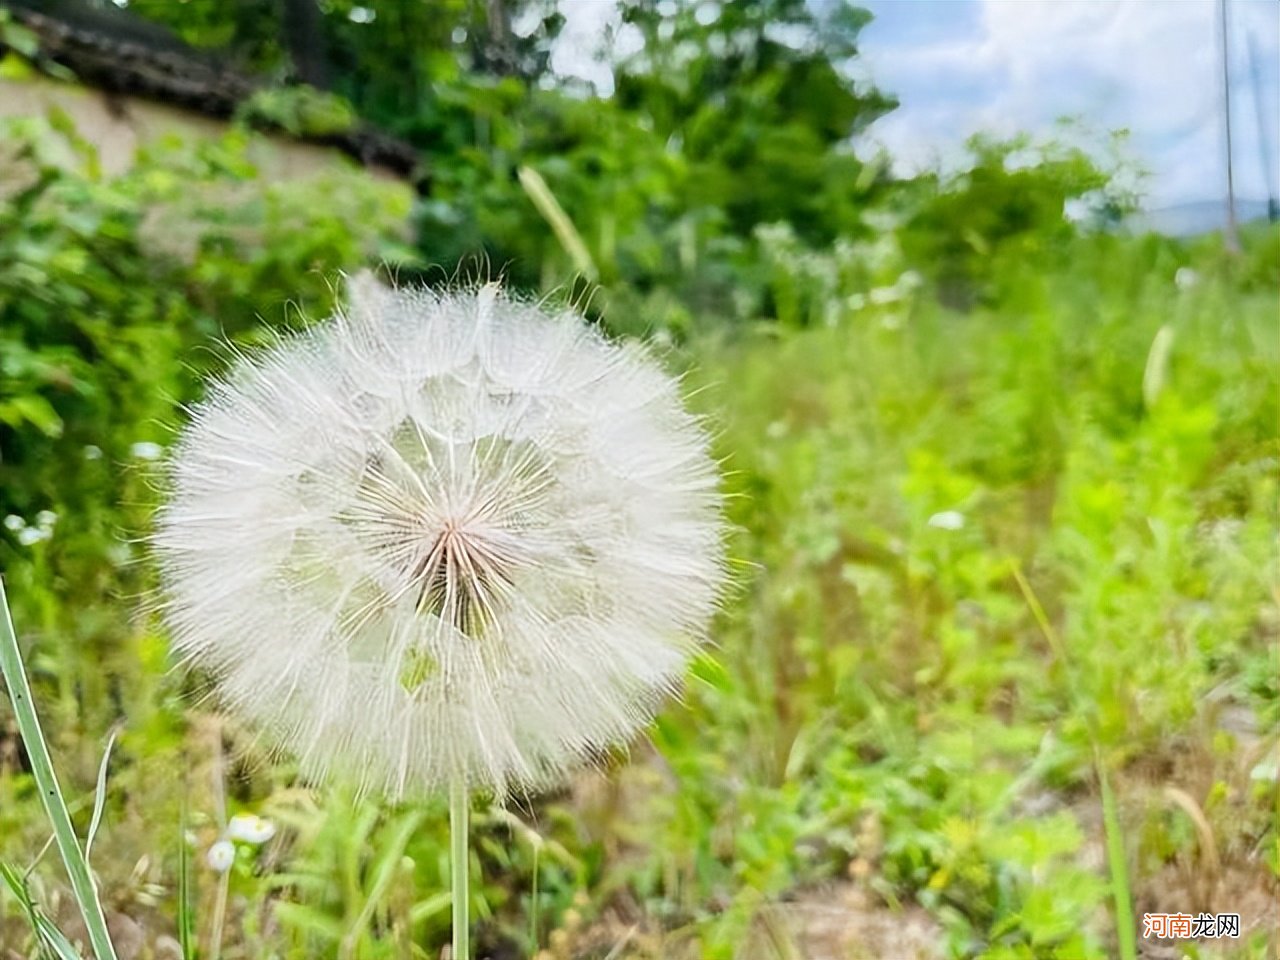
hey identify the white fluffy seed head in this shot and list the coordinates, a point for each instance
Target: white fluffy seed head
(442, 535)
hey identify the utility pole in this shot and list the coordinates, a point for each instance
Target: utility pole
(1232, 238)
(1264, 132)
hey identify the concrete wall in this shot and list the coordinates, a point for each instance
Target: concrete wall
(118, 125)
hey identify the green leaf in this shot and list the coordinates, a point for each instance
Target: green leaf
(33, 409)
(20, 38)
(14, 67)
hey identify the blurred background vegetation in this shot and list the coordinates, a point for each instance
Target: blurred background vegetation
(1001, 671)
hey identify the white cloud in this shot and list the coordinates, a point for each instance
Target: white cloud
(1150, 66)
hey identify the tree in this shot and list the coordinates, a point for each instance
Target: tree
(757, 94)
(1011, 205)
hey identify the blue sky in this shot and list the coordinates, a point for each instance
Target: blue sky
(1152, 66)
(962, 66)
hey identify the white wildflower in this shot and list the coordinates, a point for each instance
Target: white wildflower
(146, 450)
(248, 828)
(221, 856)
(910, 280)
(442, 538)
(29, 536)
(947, 520)
(1186, 278)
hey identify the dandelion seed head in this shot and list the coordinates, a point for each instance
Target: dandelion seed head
(442, 535)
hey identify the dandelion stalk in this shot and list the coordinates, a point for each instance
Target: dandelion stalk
(82, 885)
(459, 860)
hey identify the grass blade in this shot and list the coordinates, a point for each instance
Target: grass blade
(52, 942)
(1125, 931)
(82, 885)
(383, 872)
(100, 793)
(561, 225)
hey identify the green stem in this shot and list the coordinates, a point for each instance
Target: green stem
(459, 808)
(219, 915)
(1125, 933)
(64, 833)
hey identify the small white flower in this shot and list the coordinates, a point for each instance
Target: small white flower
(443, 537)
(880, 296)
(248, 828)
(93, 452)
(1186, 278)
(28, 536)
(146, 450)
(947, 520)
(14, 522)
(221, 856)
(45, 519)
(910, 280)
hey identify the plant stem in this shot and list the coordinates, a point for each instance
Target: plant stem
(459, 857)
(219, 915)
(1120, 893)
(64, 833)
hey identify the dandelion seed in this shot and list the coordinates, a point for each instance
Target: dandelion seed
(442, 538)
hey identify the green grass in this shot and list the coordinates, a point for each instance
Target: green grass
(74, 858)
(885, 665)
(1004, 577)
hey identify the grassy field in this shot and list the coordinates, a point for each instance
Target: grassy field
(998, 674)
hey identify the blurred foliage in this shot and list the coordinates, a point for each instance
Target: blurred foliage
(1009, 204)
(886, 671)
(944, 404)
(301, 111)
